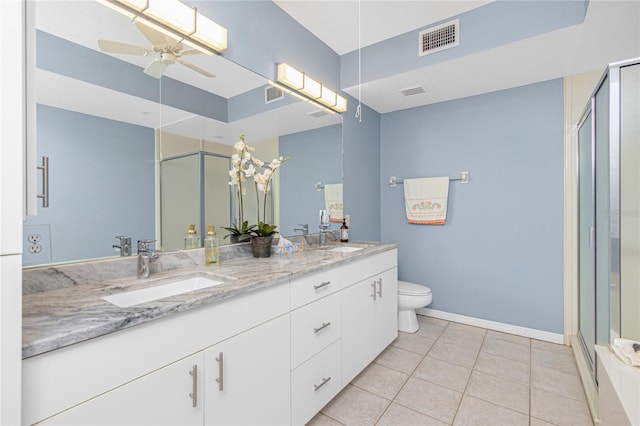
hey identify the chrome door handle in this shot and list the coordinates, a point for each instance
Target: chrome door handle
(194, 391)
(45, 182)
(322, 327)
(220, 379)
(373, 287)
(325, 380)
(323, 284)
(380, 287)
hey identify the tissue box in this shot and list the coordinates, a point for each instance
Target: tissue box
(286, 249)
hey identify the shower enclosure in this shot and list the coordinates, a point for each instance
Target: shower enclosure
(609, 211)
(194, 189)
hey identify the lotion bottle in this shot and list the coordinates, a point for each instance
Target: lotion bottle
(344, 232)
(211, 247)
(191, 239)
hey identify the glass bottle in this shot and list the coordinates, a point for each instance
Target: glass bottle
(344, 232)
(191, 239)
(211, 247)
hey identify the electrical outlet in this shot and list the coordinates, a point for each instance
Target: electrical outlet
(34, 238)
(36, 244)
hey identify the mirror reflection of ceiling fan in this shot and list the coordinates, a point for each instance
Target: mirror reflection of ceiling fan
(168, 51)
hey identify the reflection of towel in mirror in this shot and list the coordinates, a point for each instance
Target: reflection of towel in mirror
(625, 351)
(333, 201)
(425, 200)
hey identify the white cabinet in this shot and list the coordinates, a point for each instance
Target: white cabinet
(171, 395)
(369, 313)
(247, 377)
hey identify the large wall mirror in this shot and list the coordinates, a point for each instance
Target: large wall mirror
(145, 154)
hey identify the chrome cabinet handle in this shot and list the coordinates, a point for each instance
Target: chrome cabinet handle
(373, 287)
(322, 327)
(220, 378)
(323, 284)
(380, 287)
(45, 181)
(325, 380)
(194, 392)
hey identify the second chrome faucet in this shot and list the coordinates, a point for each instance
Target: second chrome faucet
(145, 257)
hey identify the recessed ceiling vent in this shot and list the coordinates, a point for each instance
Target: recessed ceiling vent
(415, 90)
(439, 38)
(272, 94)
(319, 113)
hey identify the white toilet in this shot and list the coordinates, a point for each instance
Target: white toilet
(411, 296)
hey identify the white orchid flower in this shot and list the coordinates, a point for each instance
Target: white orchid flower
(258, 162)
(239, 146)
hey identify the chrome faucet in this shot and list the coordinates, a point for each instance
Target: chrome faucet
(325, 224)
(304, 229)
(124, 247)
(145, 257)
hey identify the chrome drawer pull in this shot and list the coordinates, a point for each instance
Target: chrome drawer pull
(324, 382)
(45, 181)
(322, 327)
(323, 284)
(194, 392)
(380, 286)
(373, 287)
(220, 378)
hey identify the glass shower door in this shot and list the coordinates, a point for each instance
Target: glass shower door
(586, 236)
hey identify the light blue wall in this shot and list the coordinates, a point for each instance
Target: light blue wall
(499, 256)
(107, 191)
(315, 157)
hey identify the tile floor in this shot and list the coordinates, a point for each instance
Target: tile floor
(451, 373)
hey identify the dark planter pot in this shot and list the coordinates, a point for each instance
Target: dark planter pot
(261, 246)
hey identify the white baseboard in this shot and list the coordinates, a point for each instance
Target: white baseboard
(493, 325)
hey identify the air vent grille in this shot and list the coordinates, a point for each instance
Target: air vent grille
(272, 94)
(319, 113)
(415, 90)
(439, 38)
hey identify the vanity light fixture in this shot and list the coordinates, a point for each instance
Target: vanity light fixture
(310, 88)
(177, 20)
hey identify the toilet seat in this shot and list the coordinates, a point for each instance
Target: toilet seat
(412, 289)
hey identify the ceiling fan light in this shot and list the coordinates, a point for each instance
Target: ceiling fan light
(210, 34)
(328, 96)
(311, 87)
(290, 76)
(173, 14)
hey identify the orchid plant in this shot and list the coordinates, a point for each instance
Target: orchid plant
(245, 166)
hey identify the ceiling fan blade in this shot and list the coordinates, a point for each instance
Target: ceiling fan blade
(156, 68)
(196, 68)
(110, 46)
(154, 36)
(190, 52)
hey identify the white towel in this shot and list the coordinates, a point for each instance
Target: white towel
(426, 200)
(624, 349)
(333, 201)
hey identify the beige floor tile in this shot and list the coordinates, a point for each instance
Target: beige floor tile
(509, 394)
(537, 422)
(399, 359)
(429, 331)
(563, 362)
(503, 368)
(506, 349)
(354, 406)
(467, 328)
(463, 338)
(443, 373)
(559, 410)
(476, 412)
(430, 399)
(557, 382)
(422, 319)
(548, 346)
(399, 415)
(322, 420)
(508, 337)
(380, 380)
(413, 342)
(454, 354)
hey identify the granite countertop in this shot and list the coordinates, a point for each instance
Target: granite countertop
(59, 317)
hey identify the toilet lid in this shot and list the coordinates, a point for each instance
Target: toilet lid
(408, 288)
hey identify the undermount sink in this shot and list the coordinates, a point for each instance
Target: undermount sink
(174, 288)
(346, 249)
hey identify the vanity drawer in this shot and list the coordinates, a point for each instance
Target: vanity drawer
(314, 383)
(359, 270)
(314, 327)
(314, 286)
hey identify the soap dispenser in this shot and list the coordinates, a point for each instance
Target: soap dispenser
(191, 240)
(211, 247)
(344, 232)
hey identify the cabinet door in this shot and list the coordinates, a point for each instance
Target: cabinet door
(386, 309)
(164, 397)
(358, 328)
(247, 377)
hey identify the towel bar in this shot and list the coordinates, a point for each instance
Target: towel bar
(464, 178)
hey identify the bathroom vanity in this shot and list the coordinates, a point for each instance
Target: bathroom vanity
(272, 343)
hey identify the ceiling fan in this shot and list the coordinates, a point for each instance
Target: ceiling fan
(169, 51)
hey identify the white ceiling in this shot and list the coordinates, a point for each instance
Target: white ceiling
(610, 32)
